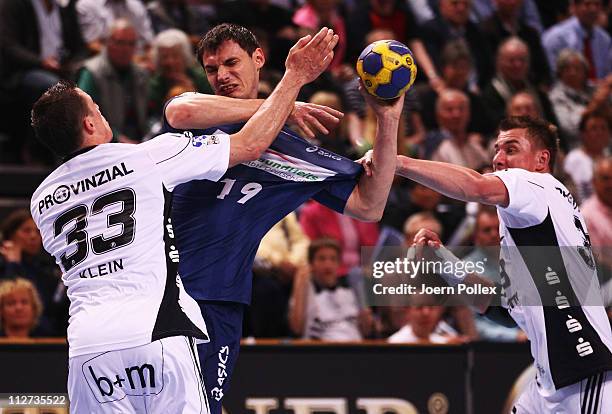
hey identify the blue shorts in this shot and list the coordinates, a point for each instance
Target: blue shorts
(219, 356)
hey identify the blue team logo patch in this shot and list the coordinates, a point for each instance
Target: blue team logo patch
(200, 140)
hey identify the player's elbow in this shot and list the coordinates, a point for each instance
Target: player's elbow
(176, 114)
(369, 215)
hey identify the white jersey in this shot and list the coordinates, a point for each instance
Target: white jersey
(549, 280)
(104, 215)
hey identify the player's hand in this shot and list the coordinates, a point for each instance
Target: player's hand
(383, 107)
(309, 117)
(11, 251)
(366, 162)
(311, 55)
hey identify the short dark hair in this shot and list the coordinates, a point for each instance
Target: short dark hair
(215, 37)
(57, 118)
(541, 133)
(12, 222)
(322, 243)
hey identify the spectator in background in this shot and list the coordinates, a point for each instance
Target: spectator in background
(453, 23)
(315, 14)
(116, 83)
(394, 18)
(511, 77)
(456, 67)
(20, 310)
(424, 324)
(523, 104)
(41, 43)
(361, 123)
(21, 255)
(571, 93)
(596, 138)
(597, 209)
(456, 145)
(323, 305)
(97, 16)
(486, 251)
(581, 33)
(337, 139)
(177, 14)
(318, 221)
(175, 70)
(506, 22)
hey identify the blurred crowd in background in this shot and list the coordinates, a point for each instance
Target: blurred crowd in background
(478, 60)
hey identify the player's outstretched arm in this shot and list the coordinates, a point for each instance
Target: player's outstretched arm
(427, 238)
(454, 181)
(307, 59)
(368, 199)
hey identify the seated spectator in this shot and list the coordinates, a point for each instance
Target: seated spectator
(21, 255)
(571, 94)
(451, 142)
(323, 306)
(597, 209)
(337, 139)
(116, 83)
(97, 16)
(394, 17)
(424, 324)
(486, 251)
(595, 135)
(453, 23)
(506, 21)
(512, 66)
(581, 33)
(523, 104)
(315, 14)
(41, 43)
(20, 310)
(175, 68)
(456, 67)
(318, 221)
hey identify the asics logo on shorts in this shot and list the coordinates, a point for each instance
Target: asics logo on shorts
(217, 392)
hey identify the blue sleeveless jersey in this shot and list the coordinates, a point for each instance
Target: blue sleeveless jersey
(219, 225)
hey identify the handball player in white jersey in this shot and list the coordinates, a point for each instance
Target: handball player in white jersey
(546, 266)
(104, 215)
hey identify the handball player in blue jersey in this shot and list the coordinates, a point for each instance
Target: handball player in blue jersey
(219, 225)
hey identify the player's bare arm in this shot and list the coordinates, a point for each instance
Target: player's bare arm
(454, 181)
(368, 199)
(307, 59)
(201, 111)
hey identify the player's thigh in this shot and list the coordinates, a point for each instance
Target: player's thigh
(152, 378)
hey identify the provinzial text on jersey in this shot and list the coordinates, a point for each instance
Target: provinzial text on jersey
(63, 192)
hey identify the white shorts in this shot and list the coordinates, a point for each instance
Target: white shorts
(160, 377)
(592, 395)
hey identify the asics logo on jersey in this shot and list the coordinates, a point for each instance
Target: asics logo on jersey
(63, 192)
(323, 153)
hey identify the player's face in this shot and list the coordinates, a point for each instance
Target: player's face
(28, 238)
(232, 72)
(324, 266)
(17, 308)
(513, 149)
(100, 125)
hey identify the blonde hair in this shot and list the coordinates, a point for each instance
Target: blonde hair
(10, 286)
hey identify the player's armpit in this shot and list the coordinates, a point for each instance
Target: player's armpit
(492, 190)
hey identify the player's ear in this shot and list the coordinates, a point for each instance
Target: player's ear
(542, 160)
(88, 124)
(259, 58)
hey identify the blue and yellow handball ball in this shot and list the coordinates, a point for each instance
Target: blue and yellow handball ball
(387, 68)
